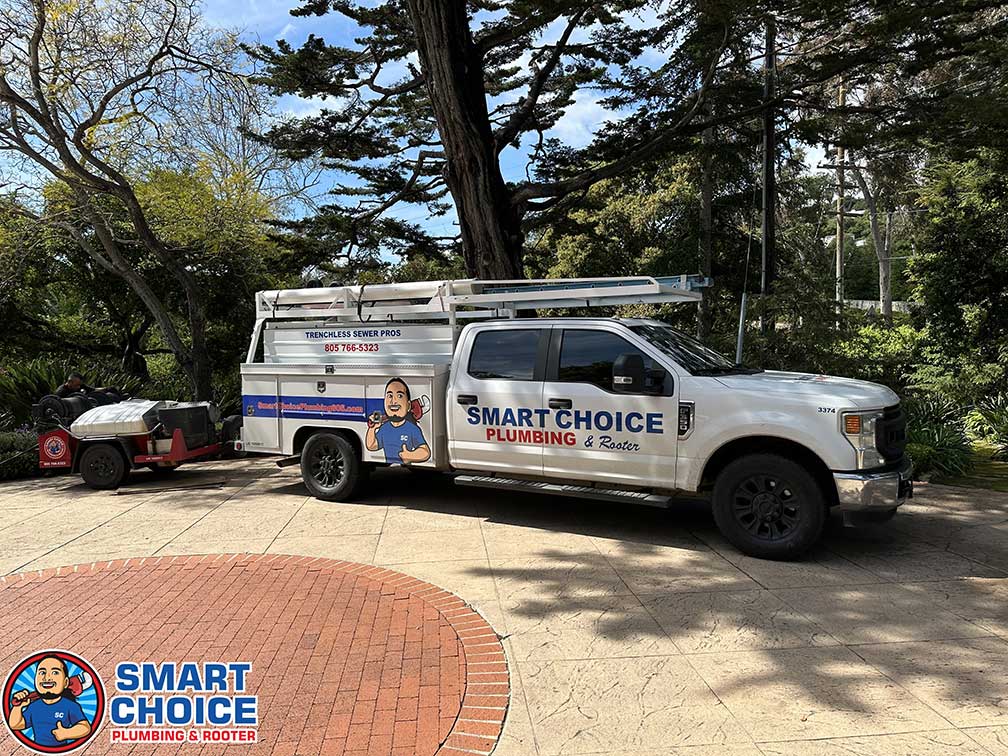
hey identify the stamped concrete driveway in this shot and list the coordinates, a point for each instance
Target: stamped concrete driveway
(628, 631)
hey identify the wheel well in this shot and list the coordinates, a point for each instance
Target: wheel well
(303, 434)
(792, 450)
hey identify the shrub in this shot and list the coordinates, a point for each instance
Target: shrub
(883, 355)
(936, 436)
(18, 458)
(989, 421)
(23, 384)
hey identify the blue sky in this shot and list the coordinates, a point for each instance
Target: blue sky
(268, 20)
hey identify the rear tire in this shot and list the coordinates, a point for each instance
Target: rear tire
(103, 467)
(331, 468)
(769, 507)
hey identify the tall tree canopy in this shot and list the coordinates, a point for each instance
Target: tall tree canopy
(424, 105)
(98, 96)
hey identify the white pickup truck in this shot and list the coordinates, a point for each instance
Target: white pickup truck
(443, 375)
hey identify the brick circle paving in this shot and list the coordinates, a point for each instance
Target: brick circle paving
(346, 658)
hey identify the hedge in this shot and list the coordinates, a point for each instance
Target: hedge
(18, 458)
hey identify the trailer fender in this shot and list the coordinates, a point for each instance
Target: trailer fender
(125, 445)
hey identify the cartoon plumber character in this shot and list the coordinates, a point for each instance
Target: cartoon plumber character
(397, 432)
(54, 716)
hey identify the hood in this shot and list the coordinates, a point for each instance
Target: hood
(810, 388)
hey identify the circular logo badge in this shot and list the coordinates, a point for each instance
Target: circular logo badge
(53, 702)
(55, 447)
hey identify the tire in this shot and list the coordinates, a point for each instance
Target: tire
(330, 467)
(103, 467)
(769, 507)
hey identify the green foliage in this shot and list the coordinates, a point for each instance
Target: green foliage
(989, 421)
(937, 441)
(18, 454)
(883, 355)
(960, 276)
(23, 384)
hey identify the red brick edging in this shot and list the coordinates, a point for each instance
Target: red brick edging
(478, 724)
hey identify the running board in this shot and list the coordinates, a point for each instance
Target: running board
(560, 489)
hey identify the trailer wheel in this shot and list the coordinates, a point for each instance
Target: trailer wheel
(769, 506)
(330, 467)
(103, 467)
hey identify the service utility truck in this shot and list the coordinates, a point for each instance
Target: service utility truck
(445, 376)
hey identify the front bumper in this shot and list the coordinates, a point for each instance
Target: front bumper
(874, 491)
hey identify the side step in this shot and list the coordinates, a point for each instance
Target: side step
(560, 489)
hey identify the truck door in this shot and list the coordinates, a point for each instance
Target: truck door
(495, 392)
(599, 431)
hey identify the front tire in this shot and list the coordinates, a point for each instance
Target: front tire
(769, 506)
(103, 467)
(330, 467)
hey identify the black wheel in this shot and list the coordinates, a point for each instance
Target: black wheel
(769, 506)
(103, 467)
(330, 467)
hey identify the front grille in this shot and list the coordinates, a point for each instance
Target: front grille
(891, 433)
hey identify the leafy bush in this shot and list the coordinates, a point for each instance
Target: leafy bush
(18, 458)
(989, 421)
(883, 355)
(23, 384)
(936, 436)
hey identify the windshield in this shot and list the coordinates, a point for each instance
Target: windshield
(687, 351)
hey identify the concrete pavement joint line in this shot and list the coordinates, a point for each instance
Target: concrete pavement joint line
(289, 521)
(206, 514)
(81, 535)
(516, 666)
(828, 738)
(676, 646)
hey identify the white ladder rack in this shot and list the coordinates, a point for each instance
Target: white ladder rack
(442, 300)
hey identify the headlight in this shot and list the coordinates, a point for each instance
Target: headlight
(859, 427)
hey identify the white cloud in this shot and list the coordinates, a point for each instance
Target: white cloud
(581, 120)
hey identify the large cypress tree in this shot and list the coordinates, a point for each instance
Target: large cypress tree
(420, 108)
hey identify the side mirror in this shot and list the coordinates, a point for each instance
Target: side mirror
(628, 374)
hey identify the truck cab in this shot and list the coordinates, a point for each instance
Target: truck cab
(625, 410)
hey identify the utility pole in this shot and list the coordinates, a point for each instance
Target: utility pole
(769, 159)
(841, 189)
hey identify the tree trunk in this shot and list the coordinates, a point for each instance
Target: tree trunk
(195, 297)
(491, 228)
(117, 264)
(885, 273)
(706, 231)
(882, 242)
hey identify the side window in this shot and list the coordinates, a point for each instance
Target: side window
(588, 357)
(508, 353)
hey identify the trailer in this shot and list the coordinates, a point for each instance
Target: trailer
(106, 442)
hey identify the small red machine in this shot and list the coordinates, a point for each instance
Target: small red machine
(105, 443)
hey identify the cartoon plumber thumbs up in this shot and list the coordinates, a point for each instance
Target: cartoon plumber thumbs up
(62, 733)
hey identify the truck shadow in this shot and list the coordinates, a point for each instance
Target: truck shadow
(921, 601)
